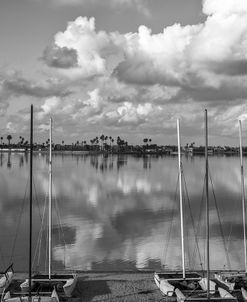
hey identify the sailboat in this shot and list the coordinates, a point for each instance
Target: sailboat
(30, 296)
(230, 279)
(210, 290)
(167, 282)
(66, 281)
(204, 288)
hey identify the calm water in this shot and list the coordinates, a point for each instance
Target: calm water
(120, 212)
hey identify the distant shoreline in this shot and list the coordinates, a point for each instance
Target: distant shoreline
(86, 152)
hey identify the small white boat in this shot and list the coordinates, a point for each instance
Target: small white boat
(6, 278)
(204, 285)
(65, 282)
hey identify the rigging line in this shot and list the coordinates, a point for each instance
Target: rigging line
(60, 229)
(42, 228)
(39, 241)
(59, 215)
(47, 249)
(221, 228)
(200, 221)
(165, 250)
(192, 219)
(36, 199)
(229, 237)
(19, 221)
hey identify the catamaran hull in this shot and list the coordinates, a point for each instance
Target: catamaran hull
(37, 298)
(204, 285)
(65, 282)
(164, 286)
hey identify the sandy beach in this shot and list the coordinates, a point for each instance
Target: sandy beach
(116, 286)
(108, 286)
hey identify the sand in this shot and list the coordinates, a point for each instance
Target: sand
(119, 286)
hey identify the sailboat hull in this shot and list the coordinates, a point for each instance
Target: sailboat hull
(53, 297)
(62, 282)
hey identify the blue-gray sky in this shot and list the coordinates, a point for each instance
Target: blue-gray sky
(123, 67)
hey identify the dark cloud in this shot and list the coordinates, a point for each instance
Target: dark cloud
(231, 68)
(21, 86)
(60, 57)
(142, 72)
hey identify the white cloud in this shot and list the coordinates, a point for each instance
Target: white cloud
(11, 127)
(51, 104)
(142, 81)
(224, 7)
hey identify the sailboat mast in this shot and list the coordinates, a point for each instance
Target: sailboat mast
(50, 200)
(31, 203)
(242, 193)
(207, 203)
(181, 197)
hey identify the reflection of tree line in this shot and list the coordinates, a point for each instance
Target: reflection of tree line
(108, 162)
(100, 162)
(6, 158)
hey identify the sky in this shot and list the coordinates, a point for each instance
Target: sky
(127, 68)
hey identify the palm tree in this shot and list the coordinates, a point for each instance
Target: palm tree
(102, 138)
(9, 138)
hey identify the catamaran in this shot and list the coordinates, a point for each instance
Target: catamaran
(230, 279)
(167, 282)
(66, 281)
(203, 289)
(9, 295)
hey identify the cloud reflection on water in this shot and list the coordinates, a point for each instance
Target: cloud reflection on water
(119, 215)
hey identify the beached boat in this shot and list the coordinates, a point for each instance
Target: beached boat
(168, 281)
(65, 281)
(10, 295)
(197, 289)
(238, 280)
(210, 290)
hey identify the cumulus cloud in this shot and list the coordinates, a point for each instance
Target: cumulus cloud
(141, 81)
(194, 56)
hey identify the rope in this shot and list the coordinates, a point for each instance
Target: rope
(165, 250)
(221, 228)
(60, 226)
(39, 241)
(192, 219)
(36, 200)
(199, 223)
(18, 223)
